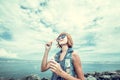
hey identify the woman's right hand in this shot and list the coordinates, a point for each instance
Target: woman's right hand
(48, 45)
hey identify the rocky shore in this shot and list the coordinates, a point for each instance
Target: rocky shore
(113, 75)
(107, 75)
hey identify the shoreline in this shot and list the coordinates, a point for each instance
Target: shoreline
(105, 75)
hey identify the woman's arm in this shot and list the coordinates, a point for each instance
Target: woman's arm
(45, 63)
(77, 65)
(55, 67)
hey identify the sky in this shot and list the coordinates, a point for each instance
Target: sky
(26, 25)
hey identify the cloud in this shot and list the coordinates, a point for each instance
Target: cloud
(25, 26)
(7, 54)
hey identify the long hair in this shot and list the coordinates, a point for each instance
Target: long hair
(69, 40)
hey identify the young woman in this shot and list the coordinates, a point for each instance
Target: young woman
(67, 64)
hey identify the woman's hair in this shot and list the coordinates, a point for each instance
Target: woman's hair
(69, 40)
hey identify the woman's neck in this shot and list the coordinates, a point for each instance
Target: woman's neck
(64, 48)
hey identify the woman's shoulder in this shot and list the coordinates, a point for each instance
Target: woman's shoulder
(75, 55)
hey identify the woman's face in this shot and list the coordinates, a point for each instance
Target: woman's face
(62, 39)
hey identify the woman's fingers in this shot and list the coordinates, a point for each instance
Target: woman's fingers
(53, 61)
(53, 67)
(49, 43)
(52, 70)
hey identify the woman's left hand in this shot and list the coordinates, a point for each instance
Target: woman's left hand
(55, 67)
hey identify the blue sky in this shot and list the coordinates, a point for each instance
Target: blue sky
(26, 25)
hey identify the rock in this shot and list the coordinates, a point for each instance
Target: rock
(112, 73)
(44, 79)
(1, 78)
(115, 77)
(105, 77)
(97, 74)
(105, 73)
(92, 74)
(91, 78)
(32, 77)
(118, 71)
(86, 75)
(102, 76)
(11, 79)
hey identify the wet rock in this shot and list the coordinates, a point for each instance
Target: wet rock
(44, 79)
(32, 77)
(118, 71)
(105, 77)
(115, 77)
(11, 79)
(91, 78)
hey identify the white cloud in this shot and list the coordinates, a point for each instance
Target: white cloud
(86, 20)
(8, 54)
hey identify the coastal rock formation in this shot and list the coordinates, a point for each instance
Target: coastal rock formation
(113, 75)
(107, 75)
(32, 77)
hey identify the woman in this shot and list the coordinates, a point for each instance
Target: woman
(67, 64)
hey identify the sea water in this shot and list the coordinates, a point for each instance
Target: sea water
(19, 69)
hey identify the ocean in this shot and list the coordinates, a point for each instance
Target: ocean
(18, 69)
